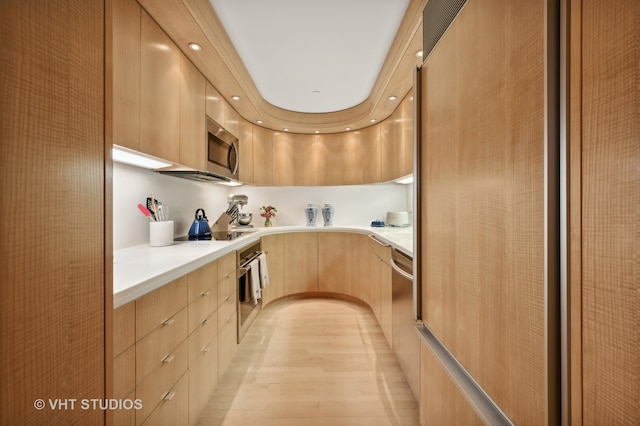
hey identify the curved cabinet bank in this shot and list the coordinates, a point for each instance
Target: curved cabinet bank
(330, 253)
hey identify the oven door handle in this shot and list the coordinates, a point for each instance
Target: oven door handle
(401, 272)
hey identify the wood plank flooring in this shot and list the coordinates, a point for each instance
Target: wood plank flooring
(313, 362)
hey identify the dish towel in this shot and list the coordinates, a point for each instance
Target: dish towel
(256, 293)
(264, 272)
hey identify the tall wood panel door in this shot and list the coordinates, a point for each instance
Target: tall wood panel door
(483, 191)
(262, 156)
(192, 116)
(284, 159)
(335, 262)
(604, 206)
(52, 297)
(159, 92)
(300, 262)
(245, 149)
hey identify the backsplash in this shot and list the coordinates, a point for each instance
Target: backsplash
(355, 205)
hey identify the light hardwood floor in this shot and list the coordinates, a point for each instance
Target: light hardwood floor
(313, 362)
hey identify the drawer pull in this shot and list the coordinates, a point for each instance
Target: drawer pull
(167, 359)
(228, 299)
(205, 349)
(205, 322)
(168, 321)
(229, 319)
(205, 293)
(169, 396)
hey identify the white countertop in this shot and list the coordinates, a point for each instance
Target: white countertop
(141, 269)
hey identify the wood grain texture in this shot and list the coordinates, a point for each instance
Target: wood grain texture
(124, 328)
(610, 226)
(272, 245)
(301, 262)
(334, 262)
(52, 297)
(192, 116)
(262, 156)
(441, 403)
(483, 188)
(245, 150)
(322, 362)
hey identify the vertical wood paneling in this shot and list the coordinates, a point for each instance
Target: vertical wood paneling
(283, 158)
(192, 116)
(52, 297)
(610, 212)
(483, 187)
(262, 156)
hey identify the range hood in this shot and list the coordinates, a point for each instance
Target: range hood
(197, 175)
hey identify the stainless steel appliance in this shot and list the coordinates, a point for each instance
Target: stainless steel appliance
(248, 308)
(404, 315)
(223, 157)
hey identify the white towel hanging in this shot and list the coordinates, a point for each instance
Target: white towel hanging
(264, 272)
(256, 293)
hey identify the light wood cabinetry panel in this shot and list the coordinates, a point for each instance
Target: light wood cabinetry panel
(123, 42)
(159, 92)
(174, 411)
(392, 150)
(306, 151)
(301, 262)
(330, 171)
(407, 126)
(231, 120)
(483, 189)
(604, 212)
(262, 156)
(215, 104)
(203, 379)
(160, 305)
(360, 156)
(227, 343)
(124, 373)
(284, 159)
(441, 402)
(273, 246)
(245, 148)
(192, 116)
(124, 328)
(334, 262)
(385, 301)
(361, 271)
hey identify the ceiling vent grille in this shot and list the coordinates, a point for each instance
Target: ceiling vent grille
(436, 18)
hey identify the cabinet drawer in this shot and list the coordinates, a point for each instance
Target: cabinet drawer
(161, 381)
(156, 307)
(203, 379)
(226, 311)
(173, 410)
(202, 307)
(124, 328)
(157, 345)
(124, 373)
(201, 280)
(200, 339)
(227, 289)
(226, 265)
(227, 344)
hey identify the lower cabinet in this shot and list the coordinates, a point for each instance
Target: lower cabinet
(334, 262)
(300, 256)
(273, 246)
(172, 345)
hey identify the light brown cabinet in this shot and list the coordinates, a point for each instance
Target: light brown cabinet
(262, 156)
(273, 246)
(245, 149)
(159, 92)
(227, 312)
(396, 140)
(192, 116)
(214, 104)
(334, 262)
(301, 262)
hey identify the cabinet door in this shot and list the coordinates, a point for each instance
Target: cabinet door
(215, 104)
(245, 148)
(262, 156)
(273, 246)
(231, 119)
(361, 274)
(330, 171)
(192, 115)
(125, 73)
(300, 262)
(392, 148)
(159, 92)
(334, 262)
(385, 301)
(406, 123)
(284, 159)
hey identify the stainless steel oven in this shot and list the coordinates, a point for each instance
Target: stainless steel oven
(248, 304)
(223, 154)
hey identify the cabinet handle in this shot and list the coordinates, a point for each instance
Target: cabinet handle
(167, 359)
(169, 396)
(168, 321)
(205, 322)
(205, 293)
(205, 349)
(229, 320)
(228, 299)
(378, 241)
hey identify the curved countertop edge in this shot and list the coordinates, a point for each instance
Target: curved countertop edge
(141, 269)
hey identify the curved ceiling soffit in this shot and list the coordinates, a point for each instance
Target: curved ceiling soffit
(195, 21)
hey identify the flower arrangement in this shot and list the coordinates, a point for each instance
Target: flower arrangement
(268, 212)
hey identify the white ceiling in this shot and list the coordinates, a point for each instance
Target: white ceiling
(292, 48)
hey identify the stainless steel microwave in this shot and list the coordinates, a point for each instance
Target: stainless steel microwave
(223, 155)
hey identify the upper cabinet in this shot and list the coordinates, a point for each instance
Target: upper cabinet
(160, 103)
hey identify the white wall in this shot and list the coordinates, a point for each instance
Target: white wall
(354, 205)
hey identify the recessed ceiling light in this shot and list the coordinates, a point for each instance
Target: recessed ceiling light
(419, 53)
(392, 98)
(373, 120)
(347, 128)
(235, 98)
(195, 46)
(317, 131)
(259, 121)
(286, 129)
